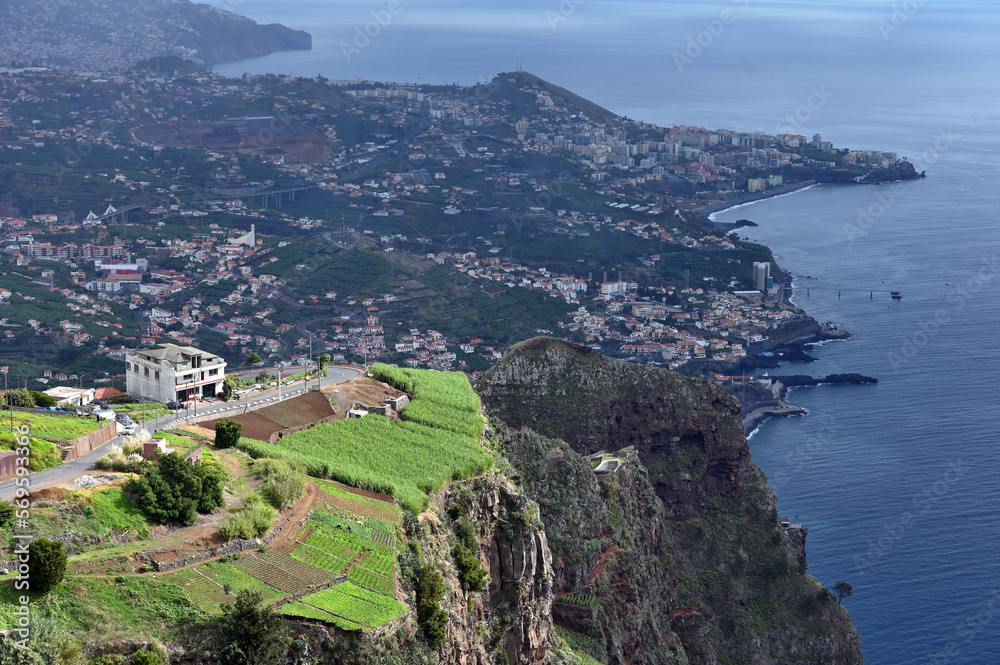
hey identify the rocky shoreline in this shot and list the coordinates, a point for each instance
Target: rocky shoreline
(772, 401)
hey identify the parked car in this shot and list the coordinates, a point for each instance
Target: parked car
(174, 405)
(128, 430)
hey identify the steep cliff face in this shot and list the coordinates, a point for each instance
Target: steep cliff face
(674, 535)
(509, 621)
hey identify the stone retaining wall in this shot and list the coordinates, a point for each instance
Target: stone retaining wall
(231, 547)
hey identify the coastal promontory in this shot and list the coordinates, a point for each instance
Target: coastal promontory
(110, 35)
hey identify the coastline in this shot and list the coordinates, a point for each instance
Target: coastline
(713, 208)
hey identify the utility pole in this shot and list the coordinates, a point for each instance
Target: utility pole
(10, 407)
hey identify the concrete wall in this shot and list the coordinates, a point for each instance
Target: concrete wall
(8, 463)
(82, 445)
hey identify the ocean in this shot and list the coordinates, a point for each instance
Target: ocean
(898, 481)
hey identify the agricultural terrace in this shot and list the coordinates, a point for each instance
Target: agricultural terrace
(435, 440)
(348, 606)
(341, 563)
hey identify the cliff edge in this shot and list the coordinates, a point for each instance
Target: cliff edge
(666, 543)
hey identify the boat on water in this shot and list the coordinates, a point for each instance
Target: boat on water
(896, 295)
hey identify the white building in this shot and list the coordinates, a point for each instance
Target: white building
(67, 396)
(170, 372)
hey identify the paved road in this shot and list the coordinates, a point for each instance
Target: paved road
(81, 465)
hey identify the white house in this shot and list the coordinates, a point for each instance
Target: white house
(170, 372)
(66, 396)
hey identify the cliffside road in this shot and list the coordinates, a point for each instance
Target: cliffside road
(69, 470)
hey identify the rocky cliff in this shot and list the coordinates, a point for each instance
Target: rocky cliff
(666, 543)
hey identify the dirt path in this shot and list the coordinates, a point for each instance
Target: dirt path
(300, 511)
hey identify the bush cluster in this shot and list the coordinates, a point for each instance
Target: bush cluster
(250, 521)
(123, 459)
(284, 480)
(227, 433)
(174, 489)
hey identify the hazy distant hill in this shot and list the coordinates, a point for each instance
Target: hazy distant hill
(107, 35)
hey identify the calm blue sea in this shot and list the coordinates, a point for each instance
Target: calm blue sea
(897, 482)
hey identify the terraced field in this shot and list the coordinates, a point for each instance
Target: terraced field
(204, 584)
(346, 498)
(347, 603)
(284, 572)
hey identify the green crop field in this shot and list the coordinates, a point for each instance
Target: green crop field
(348, 601)
(403, 458)
(335, 494)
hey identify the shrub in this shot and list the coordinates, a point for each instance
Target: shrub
(253, 632)
(47, 564)
(471, 573)
(227, 433)
(174, 489)
(19, 397)
(250, 521)
(7, 513)
(143, 657)
(284, 480)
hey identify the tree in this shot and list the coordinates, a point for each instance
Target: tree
(843, 590)
(20, 397)
(174, 489)
(252, 630)
(227, 433)
(324, 360)
(229, 386)
(46, 564)
(7, 513)
(254, 358)
(41, 399)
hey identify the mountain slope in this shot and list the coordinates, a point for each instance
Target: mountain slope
(107, 35)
